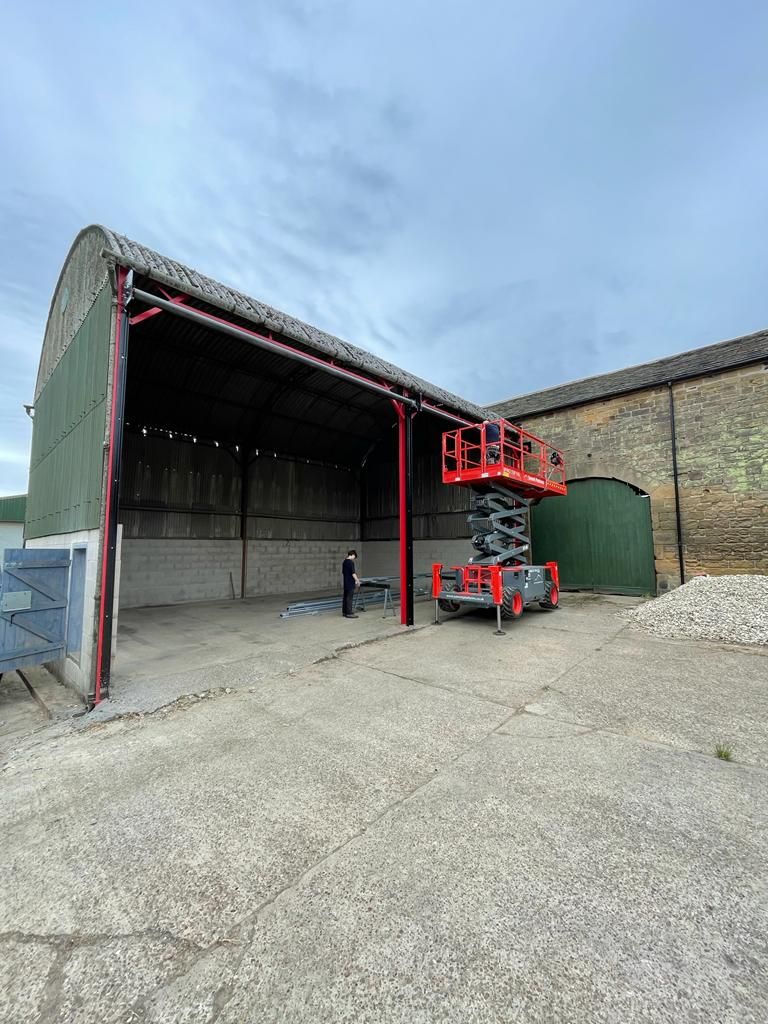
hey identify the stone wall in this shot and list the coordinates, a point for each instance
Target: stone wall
(722, 438)
(722, 427)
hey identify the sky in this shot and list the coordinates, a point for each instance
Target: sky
(496, 196)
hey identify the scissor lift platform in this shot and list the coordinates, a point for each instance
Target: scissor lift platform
(501, 453)
(506, 468)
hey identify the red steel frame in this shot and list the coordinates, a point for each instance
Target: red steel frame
(404, 477)
(105, 620)
(404, 413)
(480, 579)
(290, 350)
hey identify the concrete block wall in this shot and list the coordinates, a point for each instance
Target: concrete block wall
(175, 571)
(296, 566)
(722, 428)
(79, 674)
(178, 570)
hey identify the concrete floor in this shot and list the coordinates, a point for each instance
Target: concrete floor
(167, 652)
(441, 826)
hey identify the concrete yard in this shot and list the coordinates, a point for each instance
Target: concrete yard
(441, 825)
(164, 652)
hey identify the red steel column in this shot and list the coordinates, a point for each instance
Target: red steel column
(405, 487)
(109, 543)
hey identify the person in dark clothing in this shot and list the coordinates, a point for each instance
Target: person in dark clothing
(492, 442)
(351, 583)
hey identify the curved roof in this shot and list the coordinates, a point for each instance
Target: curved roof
(145, 261)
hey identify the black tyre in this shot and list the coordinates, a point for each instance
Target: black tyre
(512, 604)
(552, 599)
(446, 605)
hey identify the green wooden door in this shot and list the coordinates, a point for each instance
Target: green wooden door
(600, 535)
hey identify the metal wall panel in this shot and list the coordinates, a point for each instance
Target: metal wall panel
(302, 490)
(440, 511)
(65, 479)
(174, 488)
(297, 500)
(13, 508)
(268, 528)
(162, 472)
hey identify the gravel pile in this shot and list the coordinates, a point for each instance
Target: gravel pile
(729, 609)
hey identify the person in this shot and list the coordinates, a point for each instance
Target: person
(351, 583)
(492, 442)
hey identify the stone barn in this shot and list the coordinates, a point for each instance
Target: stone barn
(667, 469)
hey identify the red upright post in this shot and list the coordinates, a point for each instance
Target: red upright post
(405, 486)
(114, 460)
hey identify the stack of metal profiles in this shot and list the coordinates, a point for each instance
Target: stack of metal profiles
(384, 590)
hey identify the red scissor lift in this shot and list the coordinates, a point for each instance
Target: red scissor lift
(507, 469)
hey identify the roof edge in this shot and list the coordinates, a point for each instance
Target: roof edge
(78, 241)
(121, 250)
(720, 356)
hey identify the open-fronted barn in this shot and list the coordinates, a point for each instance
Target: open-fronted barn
(193, 444)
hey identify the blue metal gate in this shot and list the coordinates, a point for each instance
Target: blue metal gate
(33, 606)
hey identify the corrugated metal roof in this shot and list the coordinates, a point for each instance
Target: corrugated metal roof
(121, 250)
(13, 508)
(725, 355)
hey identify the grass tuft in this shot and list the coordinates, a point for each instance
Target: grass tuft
(724, 752)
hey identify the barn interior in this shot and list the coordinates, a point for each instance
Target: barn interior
(246, 475)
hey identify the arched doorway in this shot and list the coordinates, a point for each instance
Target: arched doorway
(601, 536)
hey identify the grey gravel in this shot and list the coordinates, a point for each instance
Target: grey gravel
(729, 609)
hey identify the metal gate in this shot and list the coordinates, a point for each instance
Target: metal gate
(33, 606)
(600, 534)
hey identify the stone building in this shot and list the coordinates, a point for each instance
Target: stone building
(681, 441)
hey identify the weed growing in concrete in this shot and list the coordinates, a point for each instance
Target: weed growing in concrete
(724, 752)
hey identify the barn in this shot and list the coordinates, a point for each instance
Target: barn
(12, 510)
(191, 444)
(667, 470)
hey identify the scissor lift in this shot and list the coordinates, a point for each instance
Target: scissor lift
(507, 469)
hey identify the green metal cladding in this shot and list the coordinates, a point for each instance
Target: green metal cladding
(65, 479)
(13, 508)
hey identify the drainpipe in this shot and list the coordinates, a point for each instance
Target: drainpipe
(675, 478)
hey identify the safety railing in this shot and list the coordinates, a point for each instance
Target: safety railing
(498, 448)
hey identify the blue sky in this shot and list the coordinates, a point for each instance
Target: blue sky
(497, 196)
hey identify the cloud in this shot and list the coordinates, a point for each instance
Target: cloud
(497, 203)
